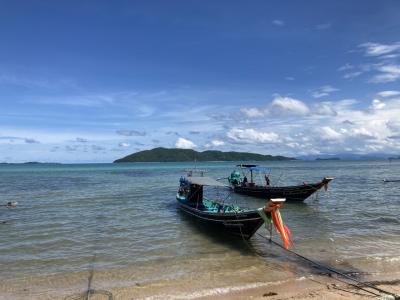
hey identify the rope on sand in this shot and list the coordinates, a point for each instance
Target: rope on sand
(359, 284)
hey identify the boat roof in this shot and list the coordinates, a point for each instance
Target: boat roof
(205, 181)
(246, 166)
(254, 168)
(260, 169)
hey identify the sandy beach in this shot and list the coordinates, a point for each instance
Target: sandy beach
(311, 287)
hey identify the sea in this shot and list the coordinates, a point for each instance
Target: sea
(115, 229)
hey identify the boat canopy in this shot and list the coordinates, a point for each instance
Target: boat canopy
(205, 181)
(255, 168)
(260, 169)
(246, 166)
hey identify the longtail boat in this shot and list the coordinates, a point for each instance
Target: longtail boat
(229, 218)
(241, 185)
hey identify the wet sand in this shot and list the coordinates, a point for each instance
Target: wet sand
(312, 287)
(305, 287)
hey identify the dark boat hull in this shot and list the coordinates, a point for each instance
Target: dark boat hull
(291, 193)
(243, 224)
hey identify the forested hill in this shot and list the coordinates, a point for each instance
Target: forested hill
(177, 155)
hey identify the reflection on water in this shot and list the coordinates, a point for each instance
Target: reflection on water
(125, 214)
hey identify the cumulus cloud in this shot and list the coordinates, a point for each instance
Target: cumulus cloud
(362, 132)
(183, 143)
(323, 91)
(126, 132)
(325, 109)
(217, 143)
(346, 126)
(253, 136)
(394, 126)
(329, 134)
(289, 106)
(347, 122)
(214, 143)
(377, 104)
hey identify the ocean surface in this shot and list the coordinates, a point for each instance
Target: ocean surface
(117, 226)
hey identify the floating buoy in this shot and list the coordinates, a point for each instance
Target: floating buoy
(11, 204)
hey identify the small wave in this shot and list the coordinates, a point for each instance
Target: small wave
(386, 258)
(387, 220)
(218, 291)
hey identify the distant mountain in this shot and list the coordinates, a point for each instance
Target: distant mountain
(177, 155)
(329, 158)
(347, 156)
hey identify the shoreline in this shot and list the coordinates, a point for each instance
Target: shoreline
(307, 287)
(304, 287)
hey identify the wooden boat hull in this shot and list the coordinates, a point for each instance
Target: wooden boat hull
(291, 193)
(242, 224)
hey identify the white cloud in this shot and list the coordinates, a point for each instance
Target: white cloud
(278, 23)
(124, 145)
(325, 109)
(215, 143)
(376, 49)
(352, 75)
(290, 106)
(377, 104)
(345, 103)
(388, 73)
(346, 67)
(290, 78)
(253, 112)
(388, 93)
(323, 91)
(183, 143)
(252, 136)
(328, 133)
(362, 132)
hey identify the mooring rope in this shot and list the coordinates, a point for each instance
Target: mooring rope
(330, 269)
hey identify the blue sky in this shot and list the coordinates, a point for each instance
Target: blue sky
(92, 81)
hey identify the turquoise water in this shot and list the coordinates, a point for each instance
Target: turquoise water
(121, 221)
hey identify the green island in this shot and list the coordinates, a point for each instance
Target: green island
(179, 155)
